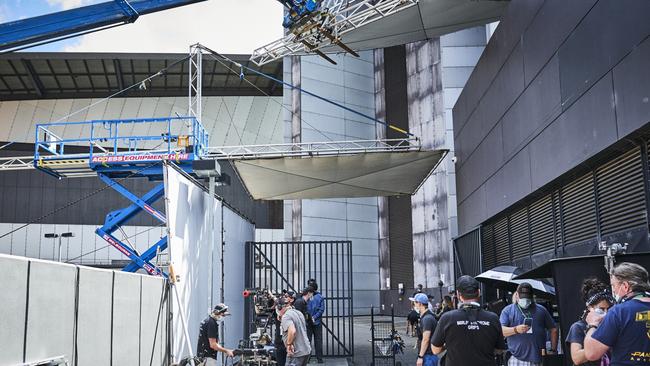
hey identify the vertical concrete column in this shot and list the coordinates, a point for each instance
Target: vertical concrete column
(296, 137)
(432, 243)
(382, 202)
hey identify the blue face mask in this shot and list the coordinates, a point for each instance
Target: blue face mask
(524, 303)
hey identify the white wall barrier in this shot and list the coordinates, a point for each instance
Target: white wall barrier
(90, 316)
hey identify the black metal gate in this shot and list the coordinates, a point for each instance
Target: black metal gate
(289, 265)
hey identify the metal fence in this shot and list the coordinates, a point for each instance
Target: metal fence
(289, 265)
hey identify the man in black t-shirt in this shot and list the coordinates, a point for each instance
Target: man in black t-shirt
(470, 334)
(208, 344)
(301, 301)
(424, 331)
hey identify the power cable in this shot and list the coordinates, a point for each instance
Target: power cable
(108, 245)
(268, 95)
(243, 67)
(232, 122)
(7, 144)
(72, 203)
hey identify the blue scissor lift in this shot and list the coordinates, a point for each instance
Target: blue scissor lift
(114, 150)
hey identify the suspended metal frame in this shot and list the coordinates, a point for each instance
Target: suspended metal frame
(310, 149)
(330, 148)
(326, 27)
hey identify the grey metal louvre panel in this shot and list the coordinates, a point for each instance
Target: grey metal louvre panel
(501, 241)
(579, 210)
(401, 241)
(488, 250)
(557, 216)
(519, 234)
(621, 197)
(541, 225)
(468, 251)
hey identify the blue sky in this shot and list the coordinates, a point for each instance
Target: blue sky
(215, 23)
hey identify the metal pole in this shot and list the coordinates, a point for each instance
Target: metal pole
(59, 248)
(211, 183)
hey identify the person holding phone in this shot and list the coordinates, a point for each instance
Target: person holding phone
(524, 324)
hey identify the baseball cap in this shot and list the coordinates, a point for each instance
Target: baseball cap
(467, 285)
(421, 298)
(221, 309)
(281, 303)
(525, 290)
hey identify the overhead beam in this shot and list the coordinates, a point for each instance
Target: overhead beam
(118, 73)
(36, 82)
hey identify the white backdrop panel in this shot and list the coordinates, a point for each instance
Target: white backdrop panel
(194, 260)
(189, 239)
(237, 232)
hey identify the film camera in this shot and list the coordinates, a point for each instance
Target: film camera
(258, 349)
(263, 317)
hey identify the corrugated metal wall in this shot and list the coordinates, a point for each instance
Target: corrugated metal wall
(468, 254)
(607, 203)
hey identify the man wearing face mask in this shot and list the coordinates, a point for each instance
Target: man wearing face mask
(625, 329)
(208, 344)
(524, 323)
(471, 335)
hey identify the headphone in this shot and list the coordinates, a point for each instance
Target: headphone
(468, 308)
(634, 294)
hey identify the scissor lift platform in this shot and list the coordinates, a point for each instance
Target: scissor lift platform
(115, 150)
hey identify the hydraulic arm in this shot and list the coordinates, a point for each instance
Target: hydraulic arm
(81, 20)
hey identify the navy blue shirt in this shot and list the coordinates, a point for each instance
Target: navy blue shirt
(577, 335)
(428, 323)
(527, 346)
(626, 330)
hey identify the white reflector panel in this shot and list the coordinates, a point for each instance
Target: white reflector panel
(359, 175)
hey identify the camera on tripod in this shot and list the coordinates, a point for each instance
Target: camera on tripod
(258, 348)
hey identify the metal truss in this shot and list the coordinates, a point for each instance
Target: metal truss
(234, 152)
(326, 27)
(195, 86)
(310, 149)
(16, 163)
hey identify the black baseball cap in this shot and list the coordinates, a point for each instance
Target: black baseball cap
(281, 303)
(467, 286)
(525, 290)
